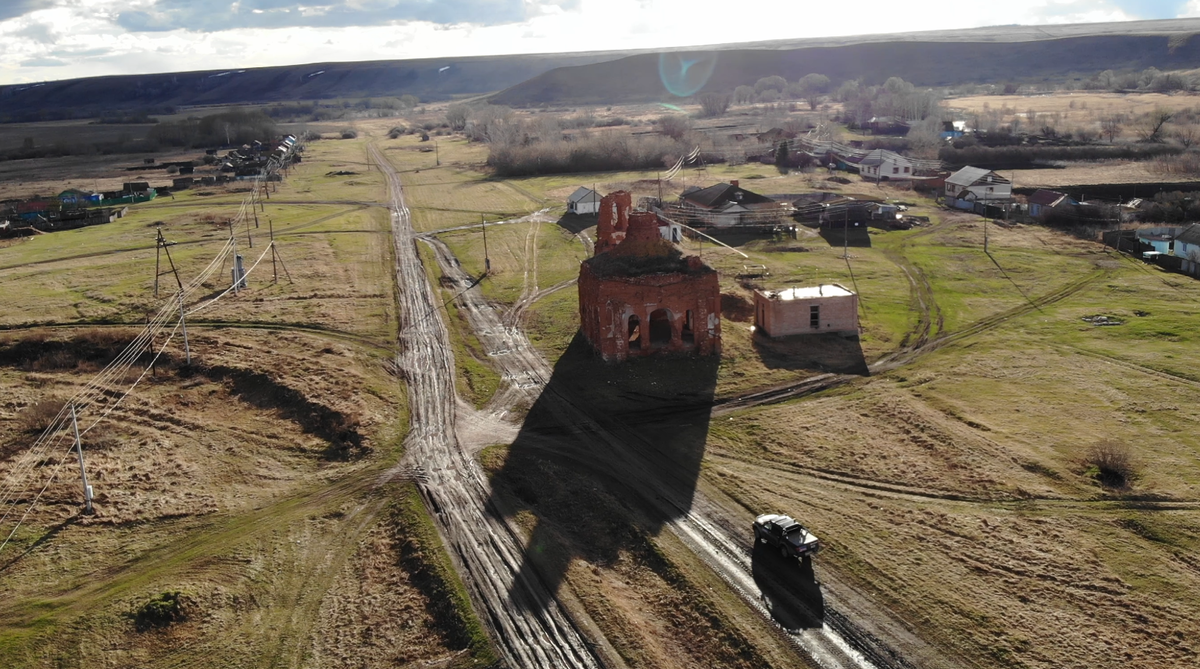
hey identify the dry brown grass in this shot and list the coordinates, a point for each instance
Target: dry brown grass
(1076, 105)
(36, 417)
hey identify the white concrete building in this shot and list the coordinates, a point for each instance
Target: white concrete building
(828, 308)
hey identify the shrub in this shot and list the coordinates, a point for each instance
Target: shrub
(674, 126)
(714, 104)
(587, 154)
(164, 609)
(395, 132)
(1111, 464)
(36, 417)
(349, 133)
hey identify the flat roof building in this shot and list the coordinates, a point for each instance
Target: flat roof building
(828, 308)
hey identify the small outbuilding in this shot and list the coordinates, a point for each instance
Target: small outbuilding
(1043, 201)
(583, 201)
(829, 308)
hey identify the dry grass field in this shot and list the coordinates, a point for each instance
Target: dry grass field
(250, 483)
(1081, 104)
(957, 491)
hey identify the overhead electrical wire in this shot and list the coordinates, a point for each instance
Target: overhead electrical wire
(20, 478)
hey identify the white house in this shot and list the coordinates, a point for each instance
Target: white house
(978, 184)
(829, 308)
(1187, 243)
(882, 165)
(583, 201)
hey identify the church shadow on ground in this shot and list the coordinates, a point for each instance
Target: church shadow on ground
(816, 352)
(577, 223)
(607, 455)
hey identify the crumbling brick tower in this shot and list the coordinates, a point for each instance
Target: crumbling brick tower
(639, 295)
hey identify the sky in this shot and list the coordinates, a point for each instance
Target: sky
(47, 40)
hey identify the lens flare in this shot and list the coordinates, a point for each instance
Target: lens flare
(684, 74)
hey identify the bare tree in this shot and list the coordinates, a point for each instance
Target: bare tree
(674, 126)
(775, 82)
(714, 104)
(812, 87)
(1186, 135)
(743, 95)
(456, 115)
(1150, 129)
(1110, 127)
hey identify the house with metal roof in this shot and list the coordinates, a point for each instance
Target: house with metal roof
(583, 201)
(1044, 201)
(1187, 243)
(728, 204)
(976, 184)
(884, 165)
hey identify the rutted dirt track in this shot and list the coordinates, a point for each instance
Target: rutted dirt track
(722, 544)
(487, 551)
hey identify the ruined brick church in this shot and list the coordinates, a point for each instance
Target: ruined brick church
(638, 295)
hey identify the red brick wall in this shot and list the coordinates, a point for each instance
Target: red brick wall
(607, 304)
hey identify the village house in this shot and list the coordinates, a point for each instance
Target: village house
(727, 205)
(1187, 243)
(639, 296)
(887, 125)
(583, 201)
(828, 308)
(976, 184)
(883, 165)
(1042, 202)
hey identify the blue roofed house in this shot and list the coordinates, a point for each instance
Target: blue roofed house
(1162, 239)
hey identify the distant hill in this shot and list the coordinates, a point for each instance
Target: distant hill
(429, 79)
(1001, 54)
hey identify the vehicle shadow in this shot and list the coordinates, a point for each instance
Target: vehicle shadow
(789, 588)
(607, 455)
(817, 352)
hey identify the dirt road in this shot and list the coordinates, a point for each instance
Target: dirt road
(485, 549)
(720, 541)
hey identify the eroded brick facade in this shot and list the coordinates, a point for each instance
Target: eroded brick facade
(634, 300)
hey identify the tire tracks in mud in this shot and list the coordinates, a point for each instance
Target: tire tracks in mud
(485, 549)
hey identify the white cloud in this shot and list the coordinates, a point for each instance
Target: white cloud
(87, 35)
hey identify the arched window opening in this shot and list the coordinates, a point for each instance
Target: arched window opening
(660, 328)
(634, 334)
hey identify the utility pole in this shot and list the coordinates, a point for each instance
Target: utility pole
(437, 156)
(233, 239)
(274, 269)
(846, 233)
(487, 262)
(187, 349)
(158, 247)
(87, 489)
(985, 236)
